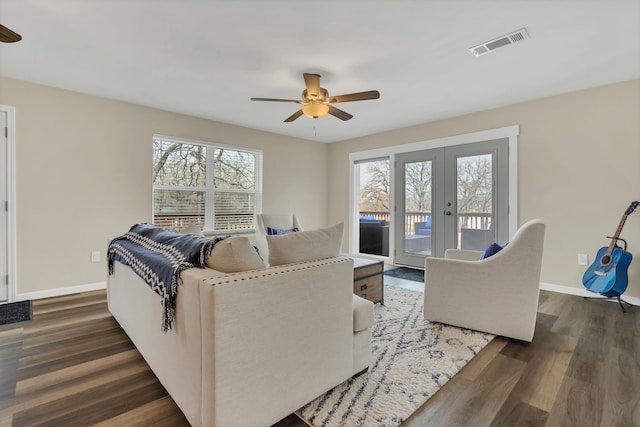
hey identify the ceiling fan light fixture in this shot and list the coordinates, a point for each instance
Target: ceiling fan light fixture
(316, 102)
(315, 110)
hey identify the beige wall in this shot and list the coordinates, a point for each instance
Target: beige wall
(578, 165)
(84, 173)
(84, 176)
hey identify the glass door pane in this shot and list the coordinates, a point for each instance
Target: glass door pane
(418, 179)
(474, 183)
(373, 191)
(452, 197)
(418, 228)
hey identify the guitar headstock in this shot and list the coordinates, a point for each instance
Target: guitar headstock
(632, 207)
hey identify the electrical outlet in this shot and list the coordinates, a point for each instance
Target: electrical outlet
(583, 259)
(95, 256)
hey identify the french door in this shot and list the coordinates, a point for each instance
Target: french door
(450, 197)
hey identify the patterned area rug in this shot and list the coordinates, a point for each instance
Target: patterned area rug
(412, 359)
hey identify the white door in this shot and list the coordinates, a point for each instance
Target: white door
(451, 197)
(4, 216)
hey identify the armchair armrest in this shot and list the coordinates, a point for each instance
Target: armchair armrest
(466, 255)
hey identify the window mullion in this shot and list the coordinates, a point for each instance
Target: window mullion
(209, 212)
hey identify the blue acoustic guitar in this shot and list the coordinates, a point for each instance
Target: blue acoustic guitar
(608, 273)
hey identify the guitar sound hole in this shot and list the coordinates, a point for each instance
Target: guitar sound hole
(605, 260)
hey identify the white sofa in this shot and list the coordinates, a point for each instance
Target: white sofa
(249, 348)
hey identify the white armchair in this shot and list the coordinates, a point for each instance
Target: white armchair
(282, 221)
(498, 295)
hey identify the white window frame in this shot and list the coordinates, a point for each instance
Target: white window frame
(210, 189)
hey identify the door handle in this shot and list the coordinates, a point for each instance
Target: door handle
(447, 213)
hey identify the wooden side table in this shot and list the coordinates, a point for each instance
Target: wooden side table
(368, 280)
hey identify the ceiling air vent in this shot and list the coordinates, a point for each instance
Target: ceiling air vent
(494, 44)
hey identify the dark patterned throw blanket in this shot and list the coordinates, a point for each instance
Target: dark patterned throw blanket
(158, 256)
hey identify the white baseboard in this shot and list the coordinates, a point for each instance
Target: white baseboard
(60, 291)
(582, 292)
(103, 285)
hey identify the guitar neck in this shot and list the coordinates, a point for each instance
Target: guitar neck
(615, 237)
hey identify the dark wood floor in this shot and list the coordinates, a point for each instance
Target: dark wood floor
(73, 365)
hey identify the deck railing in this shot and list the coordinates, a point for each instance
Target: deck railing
(179, 221)
(474, 220)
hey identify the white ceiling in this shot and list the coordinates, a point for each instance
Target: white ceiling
(207, 58)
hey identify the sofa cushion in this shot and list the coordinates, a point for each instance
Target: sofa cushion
(305, 245)
(363, 316)
(234, 254)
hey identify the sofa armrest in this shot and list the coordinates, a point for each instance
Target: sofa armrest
(363, 314)
(274, 339)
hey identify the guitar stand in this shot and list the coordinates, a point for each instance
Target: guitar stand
(624, 248)
(620, 301)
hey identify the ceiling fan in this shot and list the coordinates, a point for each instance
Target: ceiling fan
(8, 36)
(317, 102)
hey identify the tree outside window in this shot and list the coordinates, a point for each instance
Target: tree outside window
(197, 184)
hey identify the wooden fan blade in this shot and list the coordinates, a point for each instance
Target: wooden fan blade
(360, 96)
(342, 115)
(8, 36)
(312, 81)
(293, 116)
(277, 100)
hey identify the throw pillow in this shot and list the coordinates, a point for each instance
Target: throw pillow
(280, 231)
(234, 254)
(493, 249)
(305, 245)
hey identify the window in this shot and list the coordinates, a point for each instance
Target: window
(215, 187)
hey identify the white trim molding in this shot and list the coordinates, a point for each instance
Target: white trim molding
(61, 291)
(11, 199)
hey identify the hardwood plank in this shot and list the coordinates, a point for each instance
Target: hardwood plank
(34, 397)
(91, 399)
(578, 404)
(116, 403)
(572, 318)
(154, 413)
(517, 413)
(73, 365)
(437, 408)
(478, 364)
(76, 371)
(88, 327)
(622, 397)
(553, 303)
(74, 359)
(478, 404)
(548, 358)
